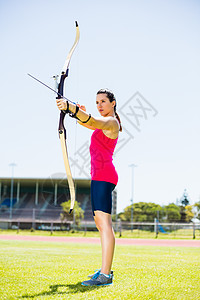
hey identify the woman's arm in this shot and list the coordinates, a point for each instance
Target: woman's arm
(104, 123)
(84, 124)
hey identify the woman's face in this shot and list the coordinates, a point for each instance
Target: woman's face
(104, 106)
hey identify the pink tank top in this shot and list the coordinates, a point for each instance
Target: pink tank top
(101, 151)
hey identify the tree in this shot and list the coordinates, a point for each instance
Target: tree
(197, 207)
(77, 212)
(172, 212)
(185, 198)
(189, 213)
(142, 212)
(185, 202)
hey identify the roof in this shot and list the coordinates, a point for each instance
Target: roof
(24, 180)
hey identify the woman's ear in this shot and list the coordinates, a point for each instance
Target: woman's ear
(113, 103)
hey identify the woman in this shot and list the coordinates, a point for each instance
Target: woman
(104, 177)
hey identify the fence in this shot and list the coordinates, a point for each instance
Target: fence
(156, 229)
(50, 220)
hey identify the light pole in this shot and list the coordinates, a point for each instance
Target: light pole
(12, 165)
(132, 193)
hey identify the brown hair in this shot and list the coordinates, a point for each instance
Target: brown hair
(112, 98)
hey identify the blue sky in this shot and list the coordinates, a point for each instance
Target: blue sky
(146, 47)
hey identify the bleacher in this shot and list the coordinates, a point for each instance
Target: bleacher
(6, 202)
(42, 205)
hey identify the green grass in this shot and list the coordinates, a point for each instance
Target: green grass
(178, 234)
(41, 270)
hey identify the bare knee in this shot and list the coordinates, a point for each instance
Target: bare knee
(103, 222)
(97, 223)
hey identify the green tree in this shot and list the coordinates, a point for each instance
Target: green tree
(189, 213)
(172, 212)
(185, 199)
(185, 202)
(197, 207)
(142, 212)
(77, 211)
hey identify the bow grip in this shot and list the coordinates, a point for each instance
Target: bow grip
(61, 127)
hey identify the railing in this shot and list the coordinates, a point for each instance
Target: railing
(50, 220)
(156, 229)
(31, 214)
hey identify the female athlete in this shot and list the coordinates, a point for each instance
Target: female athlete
(104, 177)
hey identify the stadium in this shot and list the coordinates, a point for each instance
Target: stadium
(36, 203)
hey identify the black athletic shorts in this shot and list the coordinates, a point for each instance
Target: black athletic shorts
(101, 196)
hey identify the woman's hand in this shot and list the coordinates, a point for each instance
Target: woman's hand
(81, 107)
(61, 103)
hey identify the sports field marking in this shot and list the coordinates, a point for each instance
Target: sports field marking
(123, 241)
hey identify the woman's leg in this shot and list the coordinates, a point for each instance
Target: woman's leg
(104, 224)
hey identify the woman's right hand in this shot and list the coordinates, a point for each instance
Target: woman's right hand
(81, 107)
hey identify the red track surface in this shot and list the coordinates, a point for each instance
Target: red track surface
(122, 241)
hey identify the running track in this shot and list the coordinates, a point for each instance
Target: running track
(122, 241)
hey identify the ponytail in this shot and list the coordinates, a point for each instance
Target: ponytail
(118, 119)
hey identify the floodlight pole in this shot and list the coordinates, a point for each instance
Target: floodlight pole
(12, 165)
(132, 193)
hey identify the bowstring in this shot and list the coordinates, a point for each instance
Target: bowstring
(75, 136)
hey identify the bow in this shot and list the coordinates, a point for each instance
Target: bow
(61, 128)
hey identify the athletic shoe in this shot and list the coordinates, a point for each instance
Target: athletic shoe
(97, 272)
(100, 280)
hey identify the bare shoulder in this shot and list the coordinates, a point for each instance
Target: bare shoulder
(109, 125)
(113, 132)
(110, 121)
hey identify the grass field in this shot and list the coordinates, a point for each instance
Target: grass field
(178, 234)
(41, 270)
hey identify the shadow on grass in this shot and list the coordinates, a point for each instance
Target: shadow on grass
(58, 289)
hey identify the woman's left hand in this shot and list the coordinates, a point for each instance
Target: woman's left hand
(61, 103)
